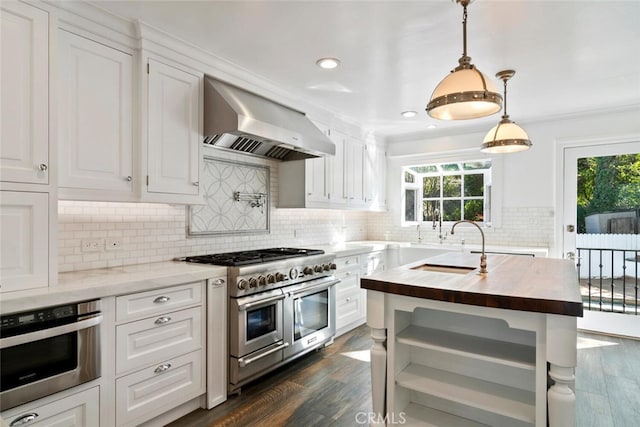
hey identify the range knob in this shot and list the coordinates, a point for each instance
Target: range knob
(318, 268)
(243, 284)
(293, 273)
(326, 267)
(262, 281)
(333, 266)
(308, 270)
(280, 277)
(271, 278)
(253, 282)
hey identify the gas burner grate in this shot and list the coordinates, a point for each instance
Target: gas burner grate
(253, 257)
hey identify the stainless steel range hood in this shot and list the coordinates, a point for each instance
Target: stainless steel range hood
(243, 121)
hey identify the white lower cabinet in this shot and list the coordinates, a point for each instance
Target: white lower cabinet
(350, 298)
(157, 338)
(160, 352)
(217, 353)
(150, 392)
(79, 409)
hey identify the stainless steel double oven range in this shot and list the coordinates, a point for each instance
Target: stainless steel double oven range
(281, 305)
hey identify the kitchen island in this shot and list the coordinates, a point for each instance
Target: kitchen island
(454, 347)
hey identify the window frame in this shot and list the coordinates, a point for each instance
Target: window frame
(489, 176)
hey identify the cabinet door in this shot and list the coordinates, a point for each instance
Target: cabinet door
(338, 193)
(77, 410)
(95, 127)
(217, 355)
(316, 179)
(24, 255)
(174, 130)
(24, 71)
(354, 172)
(375, 176)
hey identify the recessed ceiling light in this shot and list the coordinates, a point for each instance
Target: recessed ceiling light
(408, 114)
(328, 63)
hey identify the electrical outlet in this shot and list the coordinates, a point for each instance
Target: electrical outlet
(113, 244)
(95, 245)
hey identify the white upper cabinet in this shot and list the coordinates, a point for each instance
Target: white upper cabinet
(316, 177)
(174, 131)
(375, 177)
(338, 193)
(24, 142)
(354, 172)
(95, 120)
(24, 250)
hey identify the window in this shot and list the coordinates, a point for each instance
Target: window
(452, 190)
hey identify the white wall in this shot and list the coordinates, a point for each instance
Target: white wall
(529, 180)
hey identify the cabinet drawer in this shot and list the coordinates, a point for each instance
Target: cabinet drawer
(156, 302)
(148, 393)
(349, 280)
(347, 262)
(349, 308)
(155, 339)
(80, 409)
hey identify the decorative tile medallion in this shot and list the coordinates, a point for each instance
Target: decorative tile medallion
(223, 182)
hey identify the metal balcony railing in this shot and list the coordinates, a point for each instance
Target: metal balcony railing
(609, 279)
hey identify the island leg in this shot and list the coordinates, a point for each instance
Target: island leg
(562, 338)
(375, 320)
(378, 372)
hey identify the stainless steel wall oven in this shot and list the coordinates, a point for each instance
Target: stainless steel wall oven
(48, 350)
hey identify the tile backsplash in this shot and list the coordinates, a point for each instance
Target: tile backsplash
(149, 232)
(521, 227)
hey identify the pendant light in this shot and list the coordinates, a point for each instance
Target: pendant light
(506, 136)
(465, 93)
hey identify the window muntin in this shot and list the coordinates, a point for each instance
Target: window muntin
(453, 190)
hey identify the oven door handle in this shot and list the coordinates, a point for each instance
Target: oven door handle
(50, 332)
(319, 287)
(243, 307)
(242, 362)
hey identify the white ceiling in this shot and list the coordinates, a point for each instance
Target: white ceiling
(569, 56)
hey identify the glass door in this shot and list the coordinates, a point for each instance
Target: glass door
(310, 314)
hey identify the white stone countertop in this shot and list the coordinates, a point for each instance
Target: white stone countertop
(92, 284)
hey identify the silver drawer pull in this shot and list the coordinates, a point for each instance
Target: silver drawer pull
(218, 282)
(161, 300)
(25, 419)
(162, 368)
(43, 167)
(348, 299)
(129, 178)
(162, 320)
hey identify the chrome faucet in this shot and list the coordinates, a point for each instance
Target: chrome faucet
(437, 218)
(483, 257)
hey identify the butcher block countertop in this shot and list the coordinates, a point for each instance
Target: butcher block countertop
(543, 285)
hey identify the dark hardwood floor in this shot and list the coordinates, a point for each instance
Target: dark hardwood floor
(330, 387)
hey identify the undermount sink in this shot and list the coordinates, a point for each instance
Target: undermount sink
(444, 268)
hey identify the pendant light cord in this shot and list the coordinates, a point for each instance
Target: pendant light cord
(464, 61)
(505, 115)
(464, 29)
